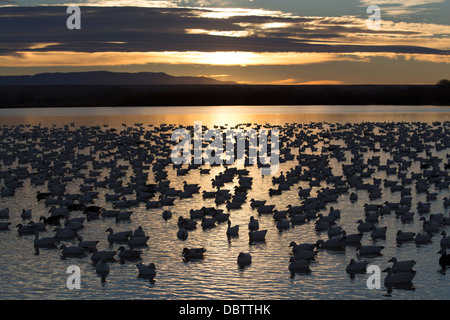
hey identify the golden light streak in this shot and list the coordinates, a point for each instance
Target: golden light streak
(231, 58)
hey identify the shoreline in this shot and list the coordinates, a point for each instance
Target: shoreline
(220, 95)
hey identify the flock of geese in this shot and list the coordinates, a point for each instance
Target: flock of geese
(100, 157)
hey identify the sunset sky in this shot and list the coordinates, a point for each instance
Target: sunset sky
(253, 42)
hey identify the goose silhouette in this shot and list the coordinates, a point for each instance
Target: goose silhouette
(119, 236)
(253, 225)
(400, 278)
(356, 267)
(108, 256)
(445, 241)
(102, 269)
(244, 259)
(44, 242)
(402, 266)
(129, 254)
(299, 265)
(257, 236)
(232, 231)
(147, 271)
(72, 251)
(444, 260)
(193, 253)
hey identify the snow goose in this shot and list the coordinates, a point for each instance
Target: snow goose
(65, 234)
(128, 254)
(422, 238)
(166, 215)
(87, 245)
(430, 226)
(407, 216)
(321, 225)
(187, 224)
(397, 278)
(72, 251)
(304, 254)
(4, 226)
(26, 214)
(404, 236)
(119, 236)
(193, 253)
(4, 213)
(369, 250)
(44, 242)
(50, 220)
(256, 236)
(283, 224)
(302, 247)
(208, 223)
(334, 231)
(102, 269)
(257, 203)
(135, 242)
(139, 232)
(350, 239)
(103, 255)
(378, 233)
(445, 241)
(356, 267)
(232, 231)
(264, 209)
(253, 225)
(402, 266)
(299, 265)
(297, 219)
(123, 216)
(444, 260)
(182, 234)
(331, 244)
(73, 224)
(244, 259)
(364, 226)
(147, 271)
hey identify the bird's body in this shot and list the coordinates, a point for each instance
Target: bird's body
(356, 266)
(402, 266)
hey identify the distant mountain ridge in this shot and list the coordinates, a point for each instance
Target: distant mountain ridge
(106, 78)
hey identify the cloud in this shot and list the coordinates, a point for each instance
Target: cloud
(402, 7)
(207, 36)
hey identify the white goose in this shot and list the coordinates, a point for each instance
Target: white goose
(356, 266)
(135, 242)
(102, 269)
(402, 266)
(445, 241)
(147, 271)
(369, 250)
(299, 265)
(253, 224)
(397, 278)
(87, 245)
(103, 255)
(72, 251)
(422, 238)
(259, 235)
(44, 242)
(232, 231)
(244, 259)
(4, 213)
(119, 236)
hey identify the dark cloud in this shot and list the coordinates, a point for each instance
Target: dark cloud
(165, 29)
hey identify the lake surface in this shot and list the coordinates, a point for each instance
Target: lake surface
(24, 275)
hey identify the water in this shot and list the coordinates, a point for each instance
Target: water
(24, 275)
